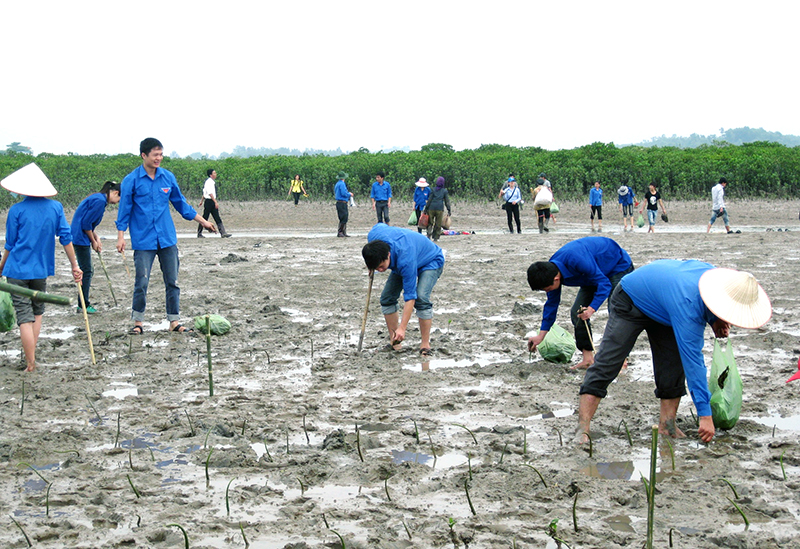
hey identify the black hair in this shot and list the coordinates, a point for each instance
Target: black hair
(375, 253)
(209, 171)
(381, 175)
(109, 186)
(541, 274)
(723, 180)
(148, 144)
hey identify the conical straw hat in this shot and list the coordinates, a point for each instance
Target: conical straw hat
(29, 180)
(735, 297)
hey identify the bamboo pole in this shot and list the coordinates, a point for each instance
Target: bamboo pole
(110, 286)
(208, 353)
(127, 270)
(86, 319)
(651, 503)
(36, 295)
(366, 310)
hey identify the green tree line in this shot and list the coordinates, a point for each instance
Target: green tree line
(754, 170)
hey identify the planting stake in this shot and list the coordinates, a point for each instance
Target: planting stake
(651, 502)
(208, 352)
(110, 287)
(125, 264)
(366, 310)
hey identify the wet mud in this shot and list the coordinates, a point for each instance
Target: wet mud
(306, 439)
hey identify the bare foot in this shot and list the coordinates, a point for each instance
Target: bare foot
(582, 365)
(582, 437)
(670, 428)
(30, 368)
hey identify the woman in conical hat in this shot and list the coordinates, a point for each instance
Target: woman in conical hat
(29, 255)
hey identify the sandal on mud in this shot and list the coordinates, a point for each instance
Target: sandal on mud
(181, 329)
(425, 351)
(136, 330)
(388, 348)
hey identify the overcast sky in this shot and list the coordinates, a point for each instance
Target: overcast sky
(97, 77)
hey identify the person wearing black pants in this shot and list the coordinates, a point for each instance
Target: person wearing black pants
(210, 204)
(512, 198)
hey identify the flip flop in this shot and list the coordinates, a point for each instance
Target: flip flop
(181, 329)
(425, 351)
(136, 330)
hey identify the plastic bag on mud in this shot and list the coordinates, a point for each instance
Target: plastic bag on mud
(725, 386)
(412, 219)
(558, 345)
(554, 208)
(640, 221)
(219, 324)
(8, 320)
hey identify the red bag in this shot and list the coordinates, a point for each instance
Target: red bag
(423, 220)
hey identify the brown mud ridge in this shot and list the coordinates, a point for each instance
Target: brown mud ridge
(279, 435)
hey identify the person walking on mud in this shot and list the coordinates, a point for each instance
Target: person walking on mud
(145, 196)
(596, 265)
(296, 188)
(511, 201)
(342, 196)
(437, 202)
(718, 205)
(652, 200)
(421, 193)
(381, 196)
(672, 301)
(596, 204)
(211, 204)
(626, 203)
(416, 264)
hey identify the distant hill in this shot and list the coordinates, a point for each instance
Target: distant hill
(734, 136)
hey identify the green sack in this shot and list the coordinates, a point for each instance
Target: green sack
(725, 386)
(558, 345)
(640, 221)
(8, 320)
(412, 219)
(553, 208)
(219, 324)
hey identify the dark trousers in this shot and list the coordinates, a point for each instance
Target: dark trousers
(341, 211)
(209, 210)
(84, 256)
(513, 210)
(583, 329)
(625, 323)
(382, 209)
(418, 211)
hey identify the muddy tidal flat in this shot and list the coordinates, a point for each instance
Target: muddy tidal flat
(307, 443)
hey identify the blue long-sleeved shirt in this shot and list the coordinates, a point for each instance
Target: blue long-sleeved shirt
(340, 191)
(596, 197)
(588, 261)
(421, 195)
(627, 199)
(512, 195)
(31, 226)
(381, 192)
(88, 216)
(144, 208)
(667, 291)
(410, 253)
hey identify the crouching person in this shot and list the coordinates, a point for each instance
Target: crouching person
(416, 264)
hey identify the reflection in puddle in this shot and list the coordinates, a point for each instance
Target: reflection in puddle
(120, 390)
(791, 423)
(620, 523)
(622, 470)
(481, 360)
(442, 462)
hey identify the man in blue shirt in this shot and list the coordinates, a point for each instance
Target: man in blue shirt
(596, 203)
(342, 196)
(145, 196)
(672, 301)
(596, 264)
(381, 197)
(416, 264)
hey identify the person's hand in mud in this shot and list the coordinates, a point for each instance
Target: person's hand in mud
(721, 328)
(585, 313)
(706, 430)
(399, 335)
(534, 341)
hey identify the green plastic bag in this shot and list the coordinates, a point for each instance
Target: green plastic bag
(219, 324)
(8, 320)
(640, 221)
(725, 385)
(554, 208)
(558, 345)
(412, 219)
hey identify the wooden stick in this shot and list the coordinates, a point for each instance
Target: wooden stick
(36, 295)
(110, 286)
(588, 331)
(127, 270)
(86, 319)
(366, 310)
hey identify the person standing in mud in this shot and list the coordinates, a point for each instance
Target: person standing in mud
(211, 204)
(438, 200)
(652, 200)
(145, 196)
(381, 196)
(672, 301)
(596, 204)
(718, 205)
(416, 264)
(421, 193)
(296, 188)
(512, 197)
(596, 265)
(342, 196)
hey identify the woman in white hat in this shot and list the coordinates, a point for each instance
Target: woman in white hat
(30, 250)
(673, 301)
(421, 193)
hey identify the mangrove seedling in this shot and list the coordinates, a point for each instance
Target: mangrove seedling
(591, 444)
(503, 453)
(116, 439)
(32, 468)
(537, 472)
(287, 440)
(244, 424)
(475, 440)
(733, 489)
(575, 512)
(266, 451)
(773, 431)
(671, 452)
(358, 444)
(451, 522)
(670, 536)
(416, 431)
(91, 405)
(469, 465)
(560, 440)
(469, 499)
(408, 532)
(27, 539)
(783, 470)
(244, 538)
(325, 521)
(77, 453)
(386, 488)
(227, 499)
(627, 431)
(305, 431)
(205, 442)
(22, 400)
(651, 503)
(191, 425)
(130, 454)
(552, 531)
(341, 539)
(135, 491)
(208, 480)
(47, 501)
(433, 450)
(208, 354)
(185, 535)
(746, 522)
(302, 486)
(524, 441)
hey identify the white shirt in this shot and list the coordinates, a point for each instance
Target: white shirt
(209, 189)
(717, 197)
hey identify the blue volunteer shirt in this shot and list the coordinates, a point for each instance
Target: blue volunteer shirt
(596, 197)
(667, 291)
(340, 191)
(88, 216)
(627, 200)
(31, 228)
(410, 253)
(144, 208)
(421, 195)
(587, 261)
(381, 192)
